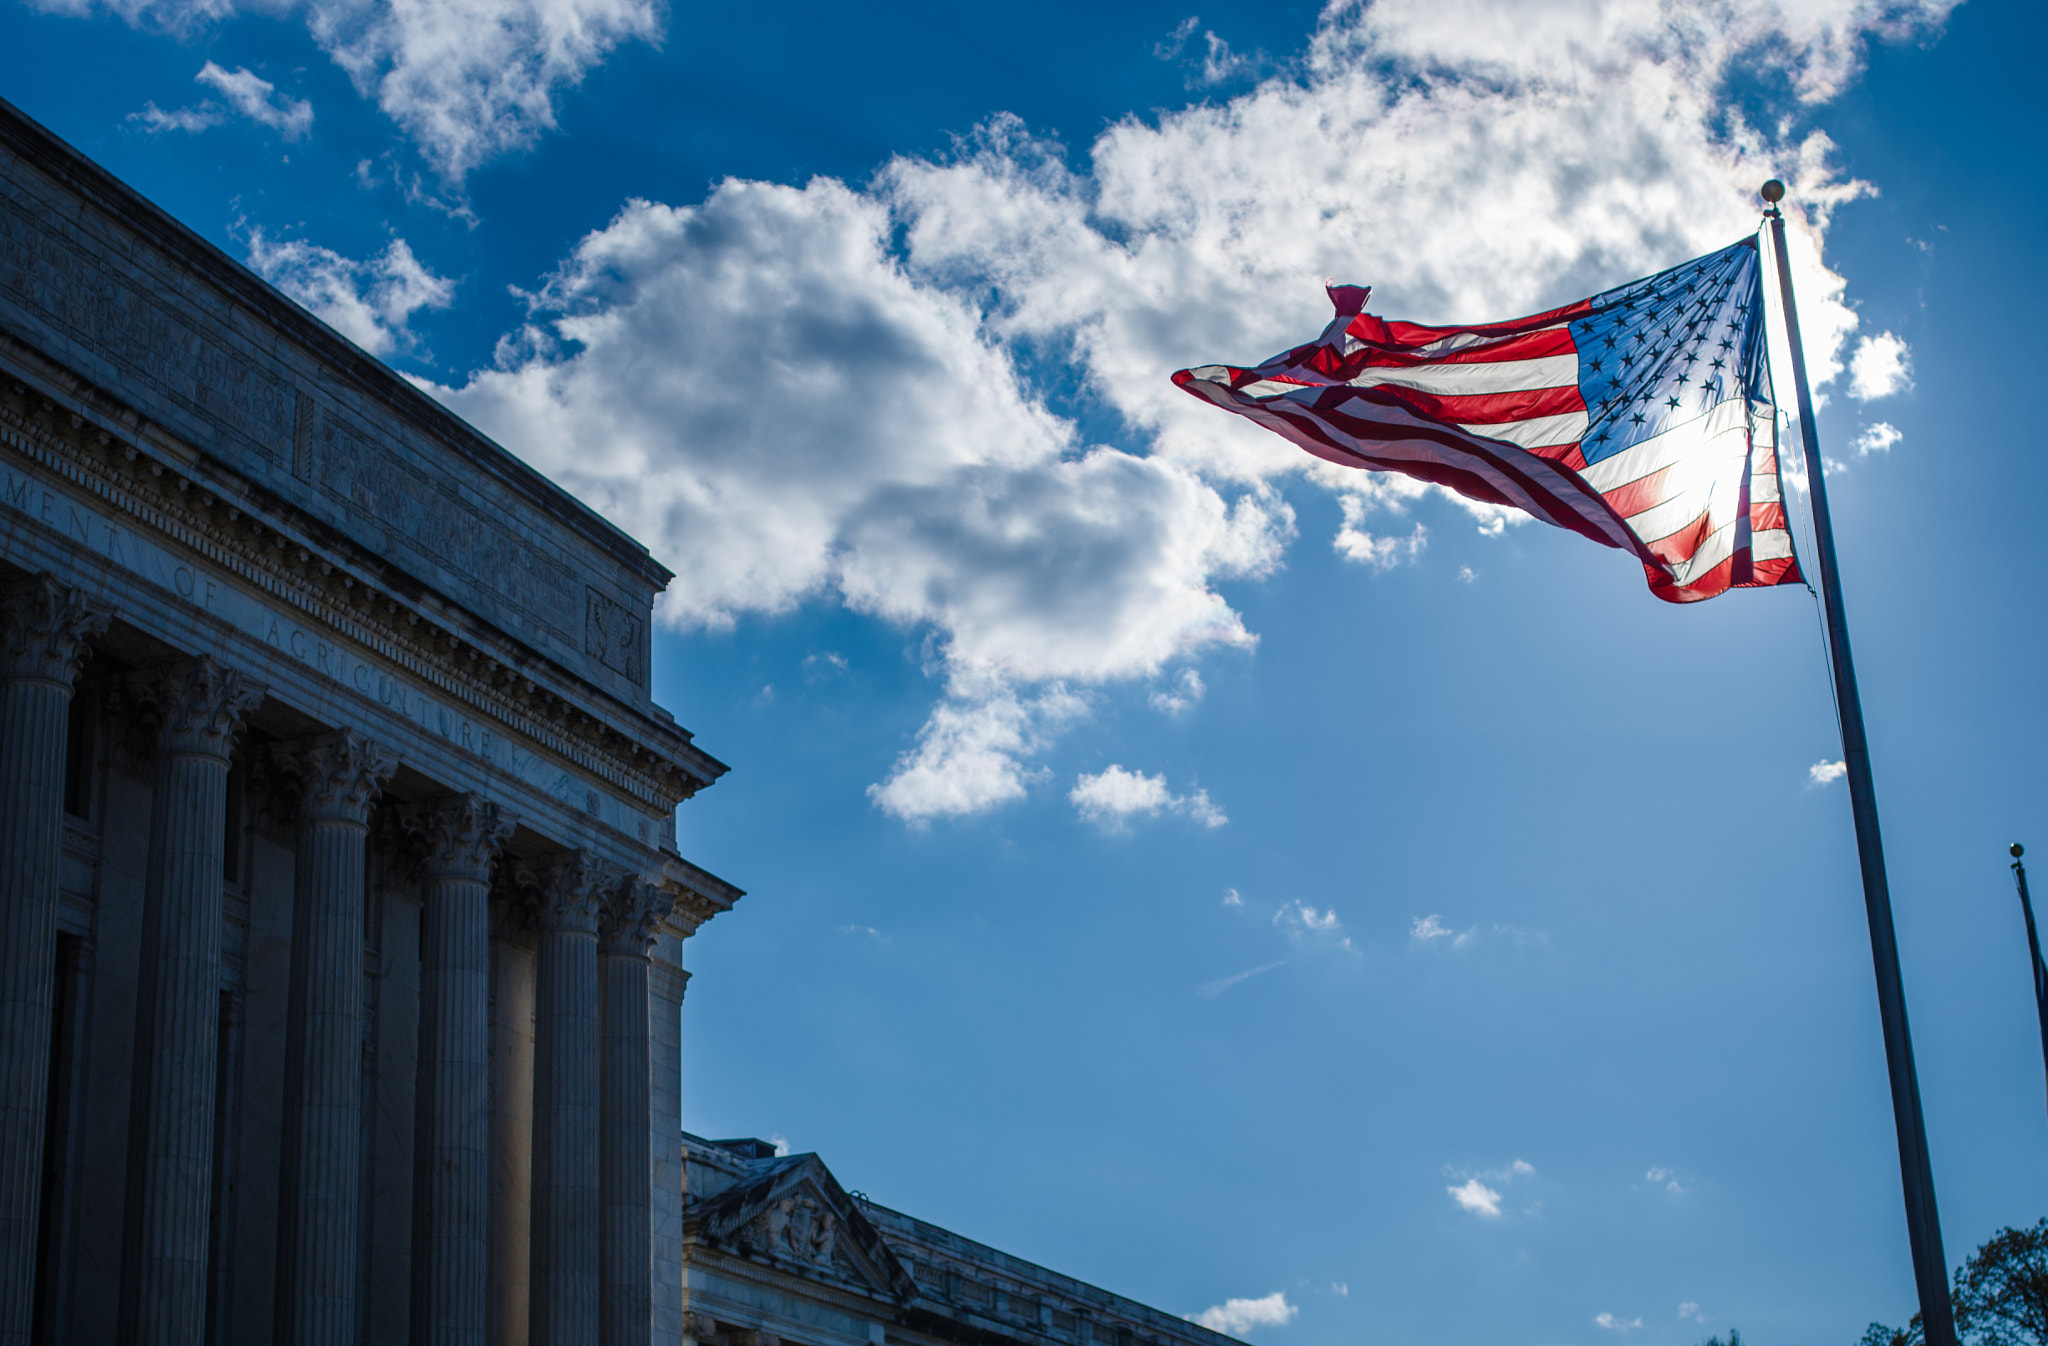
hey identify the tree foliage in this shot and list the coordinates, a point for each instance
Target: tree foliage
(2000, 1294)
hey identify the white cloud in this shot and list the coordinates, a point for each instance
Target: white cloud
(780, 1142)
(1426, 928)
(967, 757)
(867, 930)
(1665, 1178)
(1113, 796)
(1877, 438)
(1304, 922)
(258, 99)
(1429, 929)
(1384, 552)
(467, 80)
(1235, 1317)
(1211, 989)
(880, 447)
(1475, 1196)
(370, 302)
(1231, 899)
(1614, 1324)
(247, 93)
(1690, 1309)
(1826, 773)
(1186, 690)
(1881, 366)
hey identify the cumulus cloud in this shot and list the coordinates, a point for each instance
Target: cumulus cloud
(1877, 438)
(1231, 898)
(1477, 1197)
(246, 93)
(1235, 1317)
(1826, 773)
(1881, 366)
(467, 80)
(1691, 1309)
(370, 302)
(1666, 1179)
(1614, 1324)
(968, 757)
(818, 392)
(1113, 796)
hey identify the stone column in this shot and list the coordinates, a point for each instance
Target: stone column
(512, 993)
(630, 923)
(170, 1140)
(43, 630)
(567, 1077)
(320, 1186)
(451, 1168)
(667, 982)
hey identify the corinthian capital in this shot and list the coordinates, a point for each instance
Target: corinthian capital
(572, 890)
(339, 775)
(43, 629)
(463, 835)
(199, 704)
(632, 918)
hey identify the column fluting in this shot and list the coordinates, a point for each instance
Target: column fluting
(630, 922)
(513, 975)
(451, 1173)
(200, 704)
(320, 1186)
(567, 1076)
(43, 630)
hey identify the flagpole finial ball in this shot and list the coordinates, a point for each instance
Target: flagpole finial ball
(1774, 191)
(2018, 850)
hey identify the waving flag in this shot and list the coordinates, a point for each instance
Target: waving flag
(1641, 418)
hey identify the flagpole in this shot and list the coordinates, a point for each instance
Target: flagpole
(1930, 1264)
(2040, 969)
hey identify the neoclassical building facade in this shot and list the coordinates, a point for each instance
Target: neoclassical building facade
(777, 1253)
(341, 913)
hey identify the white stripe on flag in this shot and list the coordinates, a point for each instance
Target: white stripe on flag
(1498, 376)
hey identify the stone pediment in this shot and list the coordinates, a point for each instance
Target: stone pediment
(794, 1213)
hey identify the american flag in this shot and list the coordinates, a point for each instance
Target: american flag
(1641, 418)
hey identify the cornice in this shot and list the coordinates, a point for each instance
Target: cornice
(118, 465)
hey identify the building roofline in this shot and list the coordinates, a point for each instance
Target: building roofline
(35, 143)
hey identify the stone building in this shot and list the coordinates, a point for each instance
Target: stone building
(340, 906)
(776, 1253)
(341, 913)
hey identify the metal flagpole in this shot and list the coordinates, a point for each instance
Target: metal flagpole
(2019, 874)
(1930, 1264)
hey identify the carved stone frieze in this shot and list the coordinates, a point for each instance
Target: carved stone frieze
(462, 836)
(632, 917)
(796, 1227)
(199, 704)
(44, 627)
(339, 774)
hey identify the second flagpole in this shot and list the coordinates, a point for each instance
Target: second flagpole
(1923, 1225)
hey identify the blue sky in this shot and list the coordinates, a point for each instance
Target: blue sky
(1213, 875)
